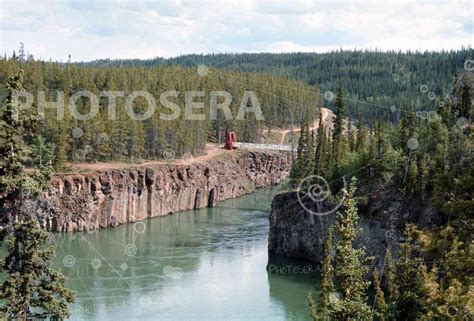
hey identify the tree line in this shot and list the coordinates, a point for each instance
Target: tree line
(282, 102)
(371, 77)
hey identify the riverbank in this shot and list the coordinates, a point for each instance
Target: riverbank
(107, 198)
(187, 266)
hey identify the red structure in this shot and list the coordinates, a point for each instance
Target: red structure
(230, 141)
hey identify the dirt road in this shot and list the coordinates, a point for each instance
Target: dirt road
(327, 120)
(211, 150)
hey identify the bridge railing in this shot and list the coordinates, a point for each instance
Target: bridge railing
(265, 146)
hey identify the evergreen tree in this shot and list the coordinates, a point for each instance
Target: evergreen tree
(392, 287)
(381, 307)
(350, 266)
(42, 152)
(337, 135)
(31, 289)
(60, 159)
(464, 102)
(15, 127)
(350, 134)
(403, 134)
(362, 136)
(319, 150)
(412, 178)
(309, 153)
(409, 305)
(327, 285)
(424, 173)
(299, 166)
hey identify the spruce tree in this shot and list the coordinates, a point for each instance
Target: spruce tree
(319, 150)
(327, 285)
(42, 152)
(380, 306)
(61, 159)
(337, 135)
(31, 289)
(362, 136)
(15, 128)
(392, 287)
(424, 176)
(299, 165)
(309, 153)
(350, 269)
(409, 305)
(350, 134)
(412, 177)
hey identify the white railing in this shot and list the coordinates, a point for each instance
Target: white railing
(265, 146)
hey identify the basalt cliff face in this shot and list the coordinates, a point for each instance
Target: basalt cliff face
(106, 198)
(294, 232)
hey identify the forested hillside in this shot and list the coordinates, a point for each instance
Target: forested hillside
(425, 163)
(374, 81)
(101, 138)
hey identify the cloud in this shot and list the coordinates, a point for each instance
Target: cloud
(143, 29)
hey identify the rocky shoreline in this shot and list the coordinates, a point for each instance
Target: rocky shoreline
(107, 198)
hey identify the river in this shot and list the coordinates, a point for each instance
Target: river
(208, 264)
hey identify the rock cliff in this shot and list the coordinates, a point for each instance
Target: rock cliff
(296, 233)
(107, 198)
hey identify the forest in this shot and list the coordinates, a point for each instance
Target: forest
(374, 80)
(282, 101)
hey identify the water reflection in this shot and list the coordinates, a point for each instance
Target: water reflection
(203, 264)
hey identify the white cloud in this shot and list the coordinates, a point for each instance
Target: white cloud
(99, 29)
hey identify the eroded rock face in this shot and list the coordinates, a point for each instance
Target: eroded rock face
(107, 198)
(294, 232)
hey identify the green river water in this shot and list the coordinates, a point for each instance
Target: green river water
(208, 264)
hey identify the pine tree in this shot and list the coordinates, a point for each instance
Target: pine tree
(15, 127)
(412, 178)
(409, 304)
(430, 292)
(60, 159)
(309, 153)
(402, 134)
(362, 136)
(32, 290)
(42, 152)
(299, 165)
(464, 102)
(392, 287)
(424, 176)
(350, 134)
(381, 307)
(327, 285)
(337, 136)
(318, 155)
(350, 266)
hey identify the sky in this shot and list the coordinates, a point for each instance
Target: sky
(89, 30)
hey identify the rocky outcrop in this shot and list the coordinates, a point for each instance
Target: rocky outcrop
(294, 232)
(107, 198)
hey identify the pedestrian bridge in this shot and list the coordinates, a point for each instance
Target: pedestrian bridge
(288, 148)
